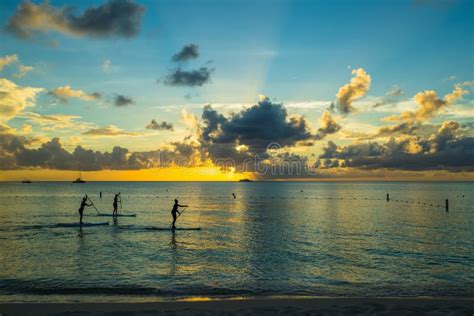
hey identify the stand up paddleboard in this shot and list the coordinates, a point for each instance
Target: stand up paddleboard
(118, 215)
(170, 229)
(81, 225)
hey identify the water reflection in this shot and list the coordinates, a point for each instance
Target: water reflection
(174, 254)
(310, 238)
(269, 233)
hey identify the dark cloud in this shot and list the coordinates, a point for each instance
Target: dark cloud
(189, 78)
(444, 150)
(402, 128)
(188, 52)
(260, 132)
(14, 154)
(10, 146)
(122, 100)
(254, 130)
(160, 126)
(115, 18)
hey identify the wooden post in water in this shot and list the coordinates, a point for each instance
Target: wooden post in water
(388, 197)
(447, 205)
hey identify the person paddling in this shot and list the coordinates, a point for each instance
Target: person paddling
(116, 201)
(81, 208)
(174, 211)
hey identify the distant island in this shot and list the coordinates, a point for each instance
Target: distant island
(245, 180)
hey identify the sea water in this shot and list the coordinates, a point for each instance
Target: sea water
(273, 238)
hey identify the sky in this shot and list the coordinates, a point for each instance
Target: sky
(224, 90)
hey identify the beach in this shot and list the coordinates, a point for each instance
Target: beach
(258, 306)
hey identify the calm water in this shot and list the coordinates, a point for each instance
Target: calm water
(321, 239)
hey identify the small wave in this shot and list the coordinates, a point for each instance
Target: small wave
(44, 289)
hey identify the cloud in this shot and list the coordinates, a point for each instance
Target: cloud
(450, 78)
(52, 155)
(115, 18)
(189, 119)
(15, 154)
(257, 129)
(188, 52)
(160, 126)
(446, 133)
(22, 71)
(395, 91)
(327, 126)
(7, 60)
(354, 90)
(66, 92)
(456, 94)
(26, 129)
(402, 128)
(54, 122)
(13, 59)
(467, 84)
(106, 66)
(109, 131)
(122, 100)
(428, 105)
(441, 151)
(14, 99)
(189, 78)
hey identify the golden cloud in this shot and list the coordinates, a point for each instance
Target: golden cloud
(66, 92)
(428, 105)
(109, 131)
(14, 98)
(354, 90)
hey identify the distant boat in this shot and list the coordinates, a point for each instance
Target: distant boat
(79, 180)
(245, 180)
(26, 181)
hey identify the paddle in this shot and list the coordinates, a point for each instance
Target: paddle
(184, 209)
(93, 204)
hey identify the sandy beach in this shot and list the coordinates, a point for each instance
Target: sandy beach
(257, 306)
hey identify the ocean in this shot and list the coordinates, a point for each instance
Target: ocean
(273, 239)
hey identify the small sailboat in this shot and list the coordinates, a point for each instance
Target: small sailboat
(79, 179)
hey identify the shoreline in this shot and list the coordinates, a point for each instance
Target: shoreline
(257, 305)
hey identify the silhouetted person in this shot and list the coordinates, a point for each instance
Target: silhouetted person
(233, 194)
(116, 201)
(100, 194)
(174, 211)
(81, 208)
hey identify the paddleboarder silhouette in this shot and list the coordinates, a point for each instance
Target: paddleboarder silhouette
(81, 208)
(174, 211)
(117, 199)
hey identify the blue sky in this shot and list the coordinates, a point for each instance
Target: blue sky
(290, 51)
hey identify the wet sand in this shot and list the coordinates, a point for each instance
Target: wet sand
(256, 306)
